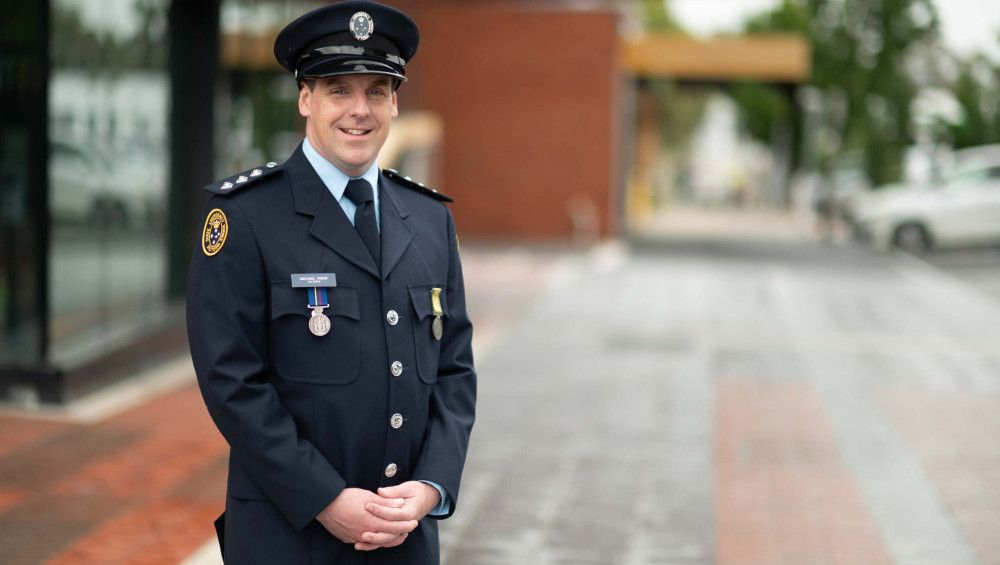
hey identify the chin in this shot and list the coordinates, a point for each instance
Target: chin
(356, 165)
(360, 161)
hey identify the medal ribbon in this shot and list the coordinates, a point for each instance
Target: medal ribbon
(436, 301)
(317, 297)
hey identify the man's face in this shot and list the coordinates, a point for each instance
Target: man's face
(347, 118)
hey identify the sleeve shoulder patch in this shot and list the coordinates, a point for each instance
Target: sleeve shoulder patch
(215, 232)
(416, 186)
(231, 184)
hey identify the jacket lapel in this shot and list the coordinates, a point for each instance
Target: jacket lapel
(330, 224)
(396, 235)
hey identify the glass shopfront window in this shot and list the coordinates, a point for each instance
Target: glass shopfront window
(107, 170)
(22, 147)
(257, 108)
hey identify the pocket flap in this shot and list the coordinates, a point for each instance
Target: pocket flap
(423, 304)
(286, 301)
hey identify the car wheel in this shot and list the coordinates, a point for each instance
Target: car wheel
(912, 238)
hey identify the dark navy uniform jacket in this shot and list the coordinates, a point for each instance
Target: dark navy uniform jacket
(307, 416)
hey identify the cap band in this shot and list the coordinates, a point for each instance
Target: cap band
(352, 50)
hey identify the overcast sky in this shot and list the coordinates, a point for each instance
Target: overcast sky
(967, 25)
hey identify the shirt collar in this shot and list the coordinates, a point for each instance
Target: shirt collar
(335, 179)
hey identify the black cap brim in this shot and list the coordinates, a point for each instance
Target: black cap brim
(328, 66)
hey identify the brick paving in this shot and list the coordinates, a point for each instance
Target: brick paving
(954, 435)
(143, 486)
(816, 406)
(784, 494)
(106, 493)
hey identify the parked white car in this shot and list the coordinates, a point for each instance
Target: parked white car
(962, 209)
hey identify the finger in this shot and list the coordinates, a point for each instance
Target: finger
(388, 502)
(398, 491)
(391, 527)
(362, 546)
(381, 539)
(391, 514)
(399, 539)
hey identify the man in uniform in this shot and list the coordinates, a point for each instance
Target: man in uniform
(327, 321)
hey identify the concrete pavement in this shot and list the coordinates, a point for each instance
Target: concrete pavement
(781, 404)
(821, 406)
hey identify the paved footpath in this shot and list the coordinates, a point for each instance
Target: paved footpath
(793, 405)
(136, 474)
(788, 406)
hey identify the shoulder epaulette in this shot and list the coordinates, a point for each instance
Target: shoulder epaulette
(414, 185)
(231, 184)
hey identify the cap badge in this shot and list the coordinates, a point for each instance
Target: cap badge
(362, 26)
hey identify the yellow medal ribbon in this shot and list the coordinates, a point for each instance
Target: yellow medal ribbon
(437, 327)
(436, 301)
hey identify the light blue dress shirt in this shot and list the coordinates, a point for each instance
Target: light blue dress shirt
(336, 182)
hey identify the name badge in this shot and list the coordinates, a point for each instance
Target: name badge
(312, 280)
(318, 298)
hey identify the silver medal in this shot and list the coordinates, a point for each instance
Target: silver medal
(437, 328)
(319, 323)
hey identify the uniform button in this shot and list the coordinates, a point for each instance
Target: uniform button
(390, 470)
(392, 317)
(397, 421)
(397, 368)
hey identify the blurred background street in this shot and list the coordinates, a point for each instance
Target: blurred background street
(733, 265)
(784, 403)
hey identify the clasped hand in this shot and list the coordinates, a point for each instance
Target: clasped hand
(370, 521)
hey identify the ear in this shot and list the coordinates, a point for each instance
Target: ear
(395, 108)
(305, 96)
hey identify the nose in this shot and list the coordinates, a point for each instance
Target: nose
(359, 104)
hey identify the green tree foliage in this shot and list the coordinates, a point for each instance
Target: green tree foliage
(860, 52)
(680, 109)
(977, 90)
(657, 17)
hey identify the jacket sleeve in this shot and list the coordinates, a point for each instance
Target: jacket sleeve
(227, 326)
(453, 400)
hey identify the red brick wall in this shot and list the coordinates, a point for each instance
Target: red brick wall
(529, 103)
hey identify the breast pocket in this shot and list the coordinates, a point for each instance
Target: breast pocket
(428, 348)
(297, 354)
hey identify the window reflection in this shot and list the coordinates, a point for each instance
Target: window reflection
(109, 104)
(21, 149)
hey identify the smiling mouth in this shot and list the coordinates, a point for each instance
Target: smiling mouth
(355, 132)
